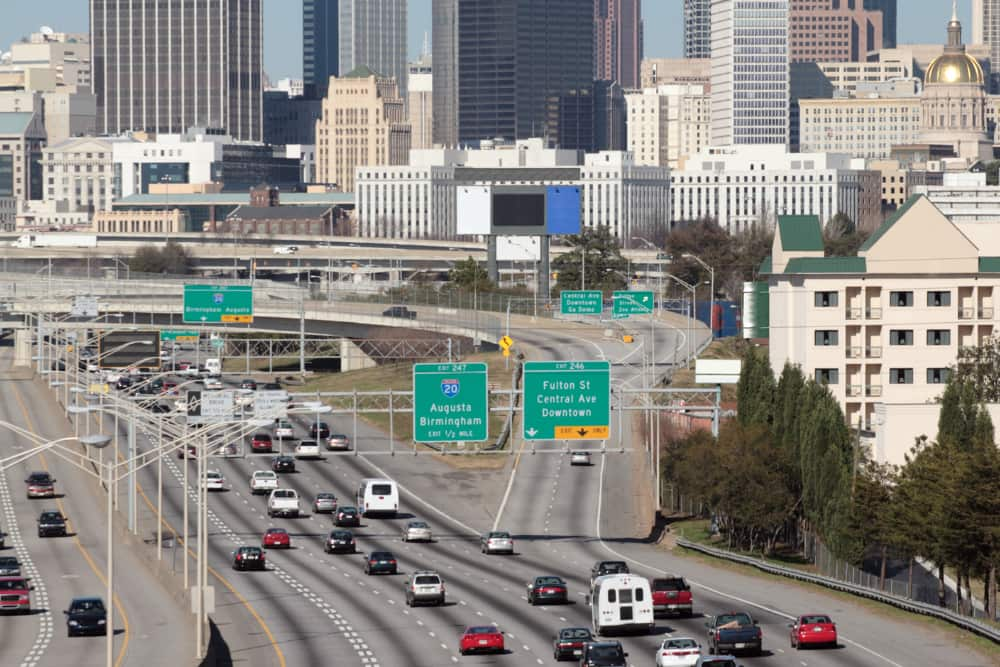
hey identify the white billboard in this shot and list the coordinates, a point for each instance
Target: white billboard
(473, 209)
(519, 249)
(717, 371)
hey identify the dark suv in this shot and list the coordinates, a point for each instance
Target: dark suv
(51, 523)
(603, 567)
(603, 654)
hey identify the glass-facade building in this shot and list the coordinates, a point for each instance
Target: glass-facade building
(320, 45)
(697, 28)
(888, 9)
(511, 70)
(373, 34)
(168, 65)
(750, 77)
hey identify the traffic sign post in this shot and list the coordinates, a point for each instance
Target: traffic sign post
(625, 303)
(270, 404)
(450, 403)
(581, 302)
(218, 303)
(208, 407)
(567, 400)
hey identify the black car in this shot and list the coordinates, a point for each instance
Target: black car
(283, 464)
(3, 536)
(150, 387)
(319, 430)
(399, 311)
(380, 562)
(248, 384)
(9, 566)
(272, 386)
(347, 516)
(568, 644)
(124, 382)
(51, 523)
(547, 589)
(86, 616)
(249, 558)
(603, 567)
(603, 654)
(158, 408)
(340, 541)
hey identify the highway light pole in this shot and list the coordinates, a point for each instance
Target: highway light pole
(711, 301)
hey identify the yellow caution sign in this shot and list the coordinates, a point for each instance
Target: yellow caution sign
(627, 338)
(506, 353)
(506, 342)
(98, 388)
(242, 319)
(581, 432)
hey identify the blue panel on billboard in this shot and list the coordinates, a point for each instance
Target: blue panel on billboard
(562, 210)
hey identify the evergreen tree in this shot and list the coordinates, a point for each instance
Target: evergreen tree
(755, 390)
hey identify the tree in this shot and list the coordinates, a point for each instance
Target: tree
(841, 237)
(171, 258)
(594, 262)
(755, 390)
(469, 275)
(993, 172)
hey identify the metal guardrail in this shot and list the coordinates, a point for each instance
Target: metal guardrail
(964, 622)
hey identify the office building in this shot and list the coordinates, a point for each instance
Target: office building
(618, 41)
(22, 137)
(290, 120)
(697, 29)
(513, 70)
(8, 214)
(663, 71)
(888, 10)
(363, 124)
(172, 65)
(667, 124)
(827, 31)
(847, 76)
(744, 186)
(66, 54)
(291, 87)
(750, 89)
(80, 173)
(417, 201)
(865, 126)
(320, 45)
(420, 105)
(373, 34)
(610, 127)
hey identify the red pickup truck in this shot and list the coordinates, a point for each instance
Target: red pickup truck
(671, 595)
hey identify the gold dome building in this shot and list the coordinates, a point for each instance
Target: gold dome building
(953, 102)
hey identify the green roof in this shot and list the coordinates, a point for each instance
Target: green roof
(800, 233)
(989, 264)
(14, 122)
(361, 72)
(826, 265)
(890, 221)
(765, 266)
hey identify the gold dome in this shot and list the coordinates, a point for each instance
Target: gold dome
(954, 68)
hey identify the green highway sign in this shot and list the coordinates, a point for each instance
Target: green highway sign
(178, 335)
(626, 302)
(450, 403)
(218, 303)
(581, 302)
(567, 400)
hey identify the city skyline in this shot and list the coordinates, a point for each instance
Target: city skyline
(919, 22)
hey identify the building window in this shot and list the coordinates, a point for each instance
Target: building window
(901, 299)
(826, 299)
(938, 375)
(901, 337)
(900, 376)
(827, 375)
(938, 299)
(826, 337)
(939, 336)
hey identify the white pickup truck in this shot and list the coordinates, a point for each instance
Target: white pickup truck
(283, 502)
(263, 481)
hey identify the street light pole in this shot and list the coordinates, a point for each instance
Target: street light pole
(711, 300)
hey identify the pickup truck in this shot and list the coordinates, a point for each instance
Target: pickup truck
(733, 632)
(283, 502)
(671, 595)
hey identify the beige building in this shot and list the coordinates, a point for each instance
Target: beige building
(655, 72)
(882, 329)
(895, 182)
(67, 55)
(363, 125)
(847, 76)
(667, 124)
(864, 127)
(140, 222)
(80, 172)
(420, 103)
(22, 137)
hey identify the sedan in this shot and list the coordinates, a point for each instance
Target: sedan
(813, 630)
(283, 464)
(9, 566)
(248, 558)
(307, 449)
(214, 481)
(547, 589)
(40, 485)
(86, 616)
(579, 458)
(319, 430)
(187, 452)
(212, 384)
(324, 503)
(51, 523)
(497, 541)
(338, 442)
(568, 644)
(248, 384)
(276, 538)
(284, 430)
(347, 516)
(380, 562)
(261, 443)
(481, 639)
(417, 531)
(340, 541)
(678, 652)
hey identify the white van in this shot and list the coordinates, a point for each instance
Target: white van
(378, 496)
(213, 367)
(621, 603)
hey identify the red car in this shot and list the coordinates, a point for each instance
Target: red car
(15, 594)
(261, 443)
(671, 595)
(276, 538)
(813, 630)
(481, 639)
(187, 452)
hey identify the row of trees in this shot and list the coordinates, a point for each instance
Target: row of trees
(171, 258)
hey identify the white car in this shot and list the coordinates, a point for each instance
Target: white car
(417, 531)
(263, 481)
(678, 652)
(496, 542)
(283, 502)
(285, 250)
(307, 449)
(579, 458)
(212, 384)
(214, 481)
(284, 431)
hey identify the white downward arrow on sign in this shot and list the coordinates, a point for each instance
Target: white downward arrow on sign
(531, 432)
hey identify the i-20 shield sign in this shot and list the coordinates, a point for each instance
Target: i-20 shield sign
(450, 387)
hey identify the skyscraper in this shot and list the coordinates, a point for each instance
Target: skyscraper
(168, 65)
(320, 45)
(618, 41)
(511, 69)
(373, 34)
(888, 9)
(827, 31)
(697, 28)
(750, 93)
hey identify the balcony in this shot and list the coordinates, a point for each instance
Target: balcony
(873, 313)
(986, 313)
(873, 352)
(854, 352)
(966, 313)
(873, 390)
(854, 390)
(853, 313)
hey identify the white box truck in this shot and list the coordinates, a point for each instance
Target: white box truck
(56, 240)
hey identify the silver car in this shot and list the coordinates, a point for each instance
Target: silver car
(338, 442)
(325, 502)
(496, 542)
(417, 531)
(579, 458)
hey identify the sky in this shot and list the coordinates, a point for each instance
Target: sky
(920, 21)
